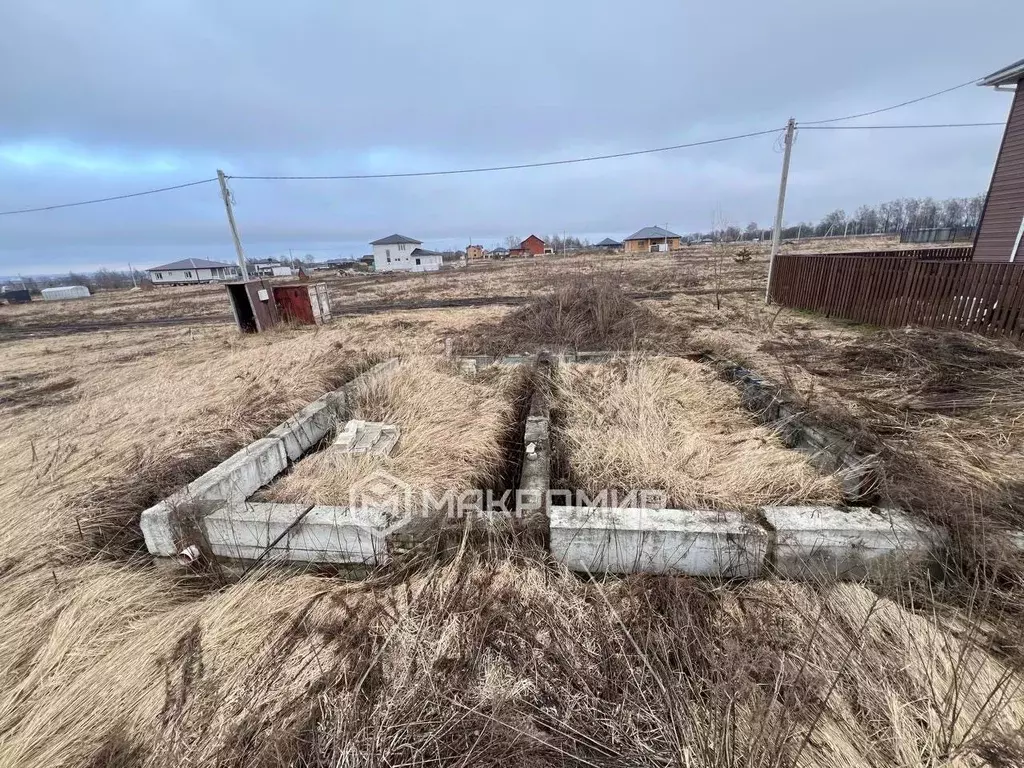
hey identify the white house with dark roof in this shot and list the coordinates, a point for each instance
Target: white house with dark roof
(192, 272)
(398, 253)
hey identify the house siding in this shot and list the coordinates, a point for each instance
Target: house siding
(196, 275)
(401, 260)
(533, 245)
(1004, 206)
(644, 246)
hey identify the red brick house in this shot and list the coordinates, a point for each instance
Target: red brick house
(531, 246)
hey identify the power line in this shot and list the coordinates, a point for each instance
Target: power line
(519, 166)
(894, 106)
(809, 125)
(109, 199)
(882, 127)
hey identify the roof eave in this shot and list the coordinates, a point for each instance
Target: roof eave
(1010, 75)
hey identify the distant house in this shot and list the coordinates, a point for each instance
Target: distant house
(652, 240)
(1000, 234)
(609, 245)
(531, 246)
(475, 252)
(193, 272)
(499, 253)
(269, 268)
(398, 253)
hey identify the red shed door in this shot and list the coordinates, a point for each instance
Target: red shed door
(293, 304)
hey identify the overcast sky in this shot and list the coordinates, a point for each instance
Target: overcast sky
(106, 97)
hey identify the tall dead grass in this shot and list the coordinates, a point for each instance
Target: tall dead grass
(581, 313)
(454, 430)
(669, 424)
(494, 663)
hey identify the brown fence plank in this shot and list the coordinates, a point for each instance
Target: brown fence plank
(939, 288)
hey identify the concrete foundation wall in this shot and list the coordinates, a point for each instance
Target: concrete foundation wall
(694, 542)
(171, 526)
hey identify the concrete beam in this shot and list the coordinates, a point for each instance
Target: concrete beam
(854, 543)
(625, 540)
(235, 479)
(535, 475)
(297, 533)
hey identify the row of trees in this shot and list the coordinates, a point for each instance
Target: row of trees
(891, 217)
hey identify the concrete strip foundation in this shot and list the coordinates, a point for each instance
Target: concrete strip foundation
(624, 540)
(535, 474)
(170, 526)
(211, 513)
(297, 533)
(800, 543)
(853, 543)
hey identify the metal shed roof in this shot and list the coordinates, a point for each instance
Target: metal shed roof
(190, 264)
(425, 252)
(1006, 76)
(396, 240)
(651, 233)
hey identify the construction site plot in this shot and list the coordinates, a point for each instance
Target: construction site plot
(673, 426)
(660, 371)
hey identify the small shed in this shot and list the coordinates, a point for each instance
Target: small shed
(303, 303)
(60, 293)
(16, 296)
(253, 306)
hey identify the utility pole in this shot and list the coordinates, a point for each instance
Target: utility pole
(132, 273)
(226, 194)
(777, 233)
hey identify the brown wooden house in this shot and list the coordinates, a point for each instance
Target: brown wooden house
(1001, 230)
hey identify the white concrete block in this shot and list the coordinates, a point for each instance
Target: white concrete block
(849, 543)
(242, 474)
(360, 437)
(307, 427)
(337, 535)
(157, 529)
(694, 542)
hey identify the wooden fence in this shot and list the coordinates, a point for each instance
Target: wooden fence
(897, 290)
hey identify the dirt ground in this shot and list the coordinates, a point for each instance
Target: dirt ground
(109, 403)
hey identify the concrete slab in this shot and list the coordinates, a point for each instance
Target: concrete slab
(848, 543)
(297, 533)
(693, 542)
(367, 437)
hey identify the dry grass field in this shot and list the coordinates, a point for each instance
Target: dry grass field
(494, 656)
(671, 425)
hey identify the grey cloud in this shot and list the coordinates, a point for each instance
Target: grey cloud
(324, 86)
